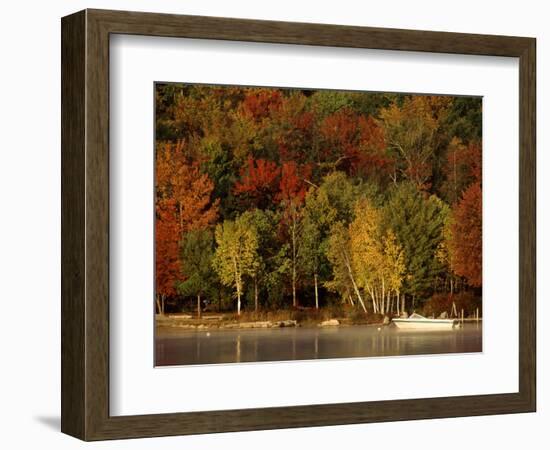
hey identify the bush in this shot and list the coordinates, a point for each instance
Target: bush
(440, 303)
(358, 316)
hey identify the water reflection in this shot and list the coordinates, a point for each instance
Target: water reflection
(283, 344)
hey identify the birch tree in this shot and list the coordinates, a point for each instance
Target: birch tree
(339, 255)
(377, 258)
(318, 216)
(236, 254)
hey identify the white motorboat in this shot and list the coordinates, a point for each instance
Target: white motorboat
(418, 322)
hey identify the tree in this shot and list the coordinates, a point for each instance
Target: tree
(466, 236)
(188, 189)
(418, 223)
(341, 194)
(166, 252)
(183, 203)
(377, 258)
(411, 133)
(196, 257)
(355, 144)
(217, 161)
(292, 130)
(236, 254)
(339, 255)
(370, 159)
(318, 216)
(263, 223)
(292, 191)
(395, 268)
(261, 103)
(259, 182)
(340, 133)
(462, 167)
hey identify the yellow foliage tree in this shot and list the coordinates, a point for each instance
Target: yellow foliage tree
(236, 254)
(377, 257)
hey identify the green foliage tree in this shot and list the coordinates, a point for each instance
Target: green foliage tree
(340, 194)
(411, 133)
(197, 251)
(418, 223)
(318, 216)
(264, 224)
(236, 256)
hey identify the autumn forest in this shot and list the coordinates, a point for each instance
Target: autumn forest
(291, 199)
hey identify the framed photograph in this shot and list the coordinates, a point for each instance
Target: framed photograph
(273, 225)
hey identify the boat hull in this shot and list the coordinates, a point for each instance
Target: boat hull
(424, 324)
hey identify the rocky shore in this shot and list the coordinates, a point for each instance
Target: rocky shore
(176, 323)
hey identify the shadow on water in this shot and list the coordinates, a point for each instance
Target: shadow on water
(288, 344)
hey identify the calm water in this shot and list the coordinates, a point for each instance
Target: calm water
(284, 344)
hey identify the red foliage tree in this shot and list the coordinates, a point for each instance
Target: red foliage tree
(369, 158)
(340, 135)
(260, 104)
(166, 251)
(466, 240)
(356, 144)
(293, 185)
(259, 182)
(462, 168)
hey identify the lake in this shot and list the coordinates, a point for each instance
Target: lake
(288, 344)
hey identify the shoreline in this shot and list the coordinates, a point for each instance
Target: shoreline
(176, 330)
(179, 324)
(170, 325)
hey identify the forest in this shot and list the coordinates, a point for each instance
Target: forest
(275, 199)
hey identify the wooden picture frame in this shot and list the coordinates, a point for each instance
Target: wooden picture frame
(85, 224)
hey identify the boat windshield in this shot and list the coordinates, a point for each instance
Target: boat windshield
(416, 316)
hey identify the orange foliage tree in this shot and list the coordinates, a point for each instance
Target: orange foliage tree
(183, 203)
(166, 252)
(260, 104)
(465, 240)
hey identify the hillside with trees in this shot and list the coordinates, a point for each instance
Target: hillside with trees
(270, 199)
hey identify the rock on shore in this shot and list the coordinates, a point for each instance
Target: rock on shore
(329, 323)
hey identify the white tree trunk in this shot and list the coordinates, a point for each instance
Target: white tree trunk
(256, 294)
(237, 284)
(238, 302)
(158, 304)
(316, 292)
(384, 307)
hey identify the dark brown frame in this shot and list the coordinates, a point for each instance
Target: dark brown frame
(85, 224)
